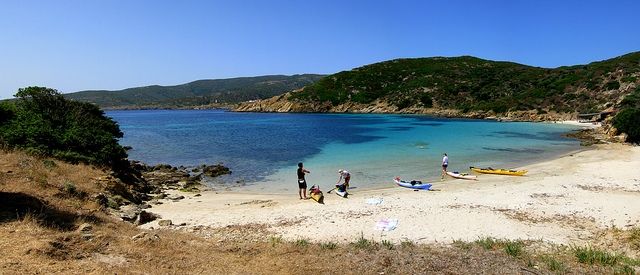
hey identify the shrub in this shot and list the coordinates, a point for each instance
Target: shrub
(553, 264)
(588, 255)
(632, 100)
(302, 242)
(426, 100)
(328, 246)
(612, 85)
(513, 248)
(7, 112)
(628, 121)
(275, 240)
(403, 103)
(487, 243)
(629, 79)
(387, 244)
(363, 243)
(44, 123)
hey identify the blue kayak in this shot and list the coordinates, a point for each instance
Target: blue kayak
(414, 185)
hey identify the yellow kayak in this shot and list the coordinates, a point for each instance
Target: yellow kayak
(499, 171)
(319, 197)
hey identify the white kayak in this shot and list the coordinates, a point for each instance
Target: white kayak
(462, 176)
(341, 193)
(414, 185)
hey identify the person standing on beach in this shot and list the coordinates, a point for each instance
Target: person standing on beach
(344, 174)
(302, 182)
(445, 164)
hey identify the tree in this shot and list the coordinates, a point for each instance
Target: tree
(45, 123)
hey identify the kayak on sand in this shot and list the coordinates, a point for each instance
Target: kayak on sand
(490, 170)
(461, 176)
(412, 184)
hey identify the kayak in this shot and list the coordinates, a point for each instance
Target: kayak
(316, 194)
(319, 197)
(461, 176)
(499, 171)
(415, 185)
(342, 193)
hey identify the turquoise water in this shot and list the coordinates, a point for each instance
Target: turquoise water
(262, 150)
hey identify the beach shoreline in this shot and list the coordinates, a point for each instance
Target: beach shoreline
(565, 200)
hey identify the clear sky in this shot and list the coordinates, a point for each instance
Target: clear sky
(115, 44)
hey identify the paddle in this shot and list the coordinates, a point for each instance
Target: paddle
(329, 192)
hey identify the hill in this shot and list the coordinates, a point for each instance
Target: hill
(467, 87)
(196, 93)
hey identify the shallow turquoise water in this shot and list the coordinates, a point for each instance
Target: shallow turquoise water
(263, 149)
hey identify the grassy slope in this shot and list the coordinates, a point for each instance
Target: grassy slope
(196, 93)
(470, 83)
(39, 217)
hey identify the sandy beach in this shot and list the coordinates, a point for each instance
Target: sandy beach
(567, 200)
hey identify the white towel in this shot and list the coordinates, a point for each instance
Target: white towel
(374, 201)
(387, 224)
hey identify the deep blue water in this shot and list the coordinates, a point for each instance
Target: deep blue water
(264, 148)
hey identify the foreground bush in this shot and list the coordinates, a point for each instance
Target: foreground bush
(628, 121)
(42, 122)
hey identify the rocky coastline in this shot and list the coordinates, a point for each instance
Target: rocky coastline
(147, 185)
(282, 104)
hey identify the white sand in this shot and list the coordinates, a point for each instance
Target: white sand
(565, 200)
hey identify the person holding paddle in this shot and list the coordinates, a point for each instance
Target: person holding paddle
(344, 174)
(302, 182)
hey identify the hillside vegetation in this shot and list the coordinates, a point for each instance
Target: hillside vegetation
(197, 93)
(468, 83)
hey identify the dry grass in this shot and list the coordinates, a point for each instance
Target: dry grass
(39, 217)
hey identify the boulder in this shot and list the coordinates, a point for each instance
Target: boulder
(164, 222)
(215, 170)
(145, 217)
(145, 236)
(175, 197)
(130, 212)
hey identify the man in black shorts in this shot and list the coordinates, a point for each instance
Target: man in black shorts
(302, 182)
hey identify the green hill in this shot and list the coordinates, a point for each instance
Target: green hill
(197, 93)
(466, 85)
(470, 83)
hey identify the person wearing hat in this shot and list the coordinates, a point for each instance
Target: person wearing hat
(344, 174)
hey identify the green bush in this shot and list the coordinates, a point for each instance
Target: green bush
(426, 100)
(7, 112)
(628, 121)
(42, 122)
(588, 255)
(612, 85)
(632, 100)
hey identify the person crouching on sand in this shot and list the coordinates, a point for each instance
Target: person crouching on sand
(302, 182)
(344, 174)
(445, 164)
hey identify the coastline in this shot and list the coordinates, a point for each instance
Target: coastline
(566, 200)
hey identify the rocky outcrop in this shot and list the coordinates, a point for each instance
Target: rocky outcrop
(128, 201)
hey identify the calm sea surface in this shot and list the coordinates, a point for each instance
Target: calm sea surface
(263, 149)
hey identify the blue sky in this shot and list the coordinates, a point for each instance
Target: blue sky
(78, 45)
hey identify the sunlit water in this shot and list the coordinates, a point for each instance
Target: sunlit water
(263, 149)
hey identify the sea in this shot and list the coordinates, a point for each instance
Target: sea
(263, 149)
